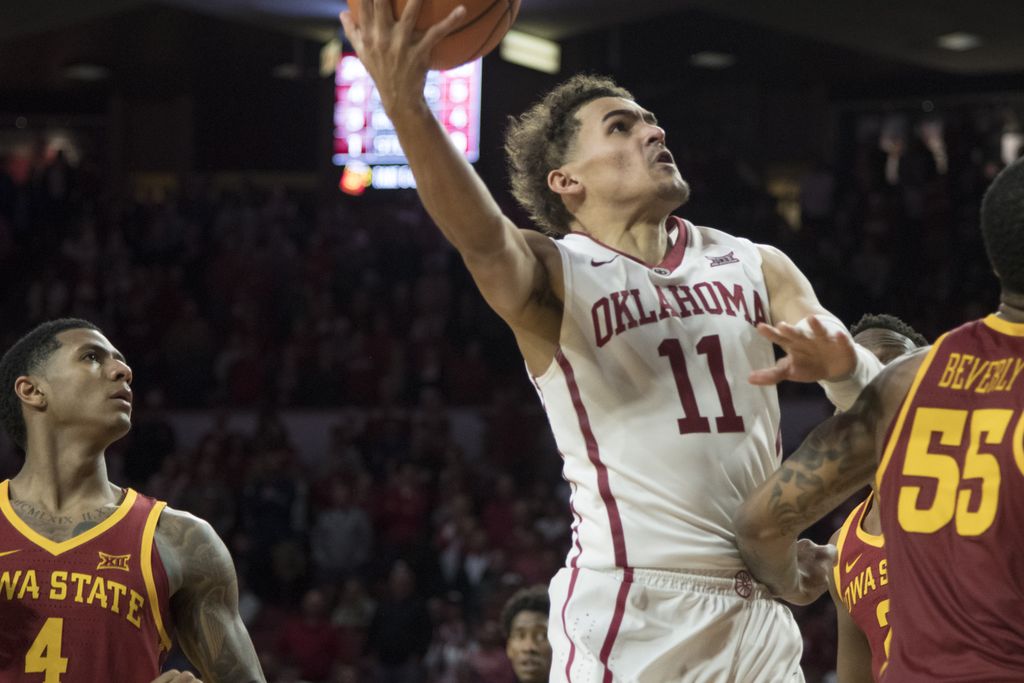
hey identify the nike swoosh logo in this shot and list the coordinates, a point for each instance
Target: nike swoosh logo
(10, 552)
(596, 263)
(851, 565)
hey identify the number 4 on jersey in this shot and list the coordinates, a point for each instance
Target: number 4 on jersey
(692, 421)
(43, 656)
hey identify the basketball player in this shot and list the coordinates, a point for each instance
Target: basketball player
(949, 425)
(859, 582)
(525, 620)
(95, 578)
(640, 331)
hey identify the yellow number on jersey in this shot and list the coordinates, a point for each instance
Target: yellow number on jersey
(43, 656)
(882, 614)
(987, 427)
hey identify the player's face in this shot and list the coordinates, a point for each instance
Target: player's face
(86, 386)
(887, 345)
(528, 648)
(620, 154)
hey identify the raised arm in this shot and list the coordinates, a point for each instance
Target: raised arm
(518, 272)
(838, 457)
(204, 603)
(818, 346)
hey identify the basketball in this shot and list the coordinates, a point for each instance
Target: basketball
(486, 22)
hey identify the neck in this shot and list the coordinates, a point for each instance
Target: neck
(645, 239)
(1011, 306)
(63, 477)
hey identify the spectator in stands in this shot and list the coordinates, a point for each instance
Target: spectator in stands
(342, 538)
(525, 620)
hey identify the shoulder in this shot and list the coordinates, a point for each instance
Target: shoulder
(882, 397)
(190, 549)
(774, 259)
(538, 240)
(896, 377)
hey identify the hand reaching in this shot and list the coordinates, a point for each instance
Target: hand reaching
(814, 562)
(393, 52)
(812, 354)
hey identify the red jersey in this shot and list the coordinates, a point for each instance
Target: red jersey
(92, 608)
(862, 581)
(951, 485)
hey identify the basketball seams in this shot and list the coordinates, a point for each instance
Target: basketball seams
(506, 13)
(474, 20)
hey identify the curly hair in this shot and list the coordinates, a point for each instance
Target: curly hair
(1002, 226)
(27, 355)
(532, 599)
(885, 321)
(539, 140)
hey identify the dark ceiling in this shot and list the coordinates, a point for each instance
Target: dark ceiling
(900, 30)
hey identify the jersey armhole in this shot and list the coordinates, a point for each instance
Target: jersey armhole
(567, 296)
(841, 543)
(147, 552)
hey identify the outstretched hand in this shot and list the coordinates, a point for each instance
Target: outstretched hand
(813, 562)
(394, 53)
(812, 354)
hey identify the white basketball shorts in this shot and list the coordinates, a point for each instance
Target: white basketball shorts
(651, 626)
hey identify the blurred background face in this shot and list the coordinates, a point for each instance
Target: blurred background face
(528, 648)
(86, 384)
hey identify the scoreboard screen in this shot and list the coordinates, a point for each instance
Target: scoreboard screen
(363, 133)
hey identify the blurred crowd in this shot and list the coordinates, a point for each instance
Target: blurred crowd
(388, 559)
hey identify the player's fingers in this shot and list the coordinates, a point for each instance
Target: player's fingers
(169, 676)
(410, 14)
(348, 23)
(382, 15)
(793, 332)
(767, 376)
(771, 333)
(817, 327)
(827, 553)
(435, 33)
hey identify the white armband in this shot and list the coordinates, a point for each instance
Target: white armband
(843, 392)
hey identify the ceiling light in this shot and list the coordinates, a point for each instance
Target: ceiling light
(86, 72)
(713, 60)
(958, 41)
(288, 71)
(532, 52)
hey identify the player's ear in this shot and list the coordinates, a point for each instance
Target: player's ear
(29, 392)
(562, 182)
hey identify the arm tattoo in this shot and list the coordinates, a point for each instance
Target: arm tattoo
(205, 608)
(836, 459)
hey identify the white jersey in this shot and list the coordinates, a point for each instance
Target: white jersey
(661, 434)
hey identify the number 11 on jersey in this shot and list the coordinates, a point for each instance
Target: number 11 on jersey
(692, 421)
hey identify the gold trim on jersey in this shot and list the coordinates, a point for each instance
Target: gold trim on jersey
(1018, 444)
(59, 547)
(148, 533)
(840, 542)
(873, 540)
(1005, 326)
(897, 429)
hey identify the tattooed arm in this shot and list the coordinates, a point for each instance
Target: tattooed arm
(204, 600)
(837, 458)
